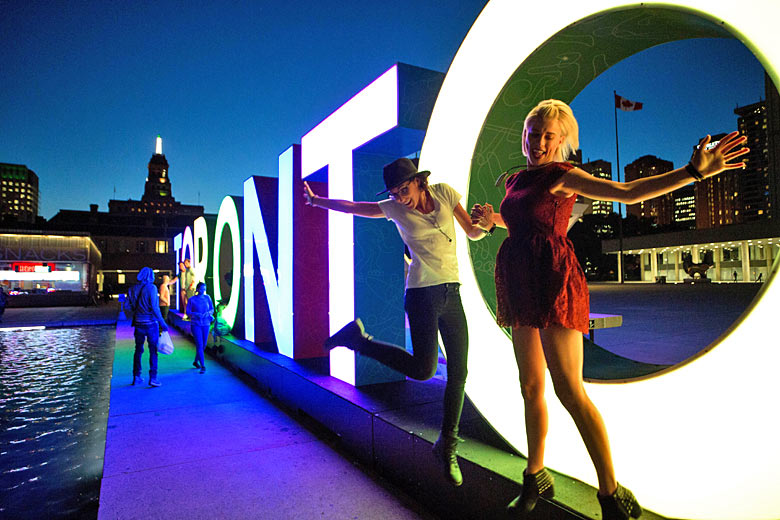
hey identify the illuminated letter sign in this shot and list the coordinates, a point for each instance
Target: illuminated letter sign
(371, 112)
(201, 249)
(228, 217)
(256, 240)
(691, 416)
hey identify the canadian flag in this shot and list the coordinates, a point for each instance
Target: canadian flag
(626, 105)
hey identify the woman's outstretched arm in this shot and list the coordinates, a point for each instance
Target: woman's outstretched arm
(704, 163)
(361, 209)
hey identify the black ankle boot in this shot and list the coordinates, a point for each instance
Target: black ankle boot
(352, 335)
(446, 451)
(540, 484)
(620, 505)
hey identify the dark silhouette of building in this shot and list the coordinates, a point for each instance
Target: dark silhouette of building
(603, 170)
(685, 207)
(773, 142)
(754, 180)
(660, 209)
(158, 196)
(718, 199)
(134, 233)
(18, 193)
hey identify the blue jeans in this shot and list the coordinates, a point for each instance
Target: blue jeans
(201, 335)
(431, 310)
(144, 332)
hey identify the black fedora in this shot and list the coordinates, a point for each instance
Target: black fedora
(400, 171)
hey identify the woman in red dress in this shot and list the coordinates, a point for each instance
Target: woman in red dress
(541, 289)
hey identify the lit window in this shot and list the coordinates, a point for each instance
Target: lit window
(161, 246)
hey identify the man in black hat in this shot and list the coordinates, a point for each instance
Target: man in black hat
(425, 217)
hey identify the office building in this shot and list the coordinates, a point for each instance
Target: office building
(659, 209)
(603, 170)
(18, 193)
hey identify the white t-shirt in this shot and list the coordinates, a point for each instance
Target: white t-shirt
(430, 237)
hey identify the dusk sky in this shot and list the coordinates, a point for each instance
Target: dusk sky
(230, 85)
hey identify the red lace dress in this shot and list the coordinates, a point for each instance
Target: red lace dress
(539, 281)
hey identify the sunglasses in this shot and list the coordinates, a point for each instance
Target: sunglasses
(403, 191)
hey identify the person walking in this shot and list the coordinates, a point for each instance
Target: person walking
(200, 309)
(165, 295)
(424, 215)
(187, 276)
(143, 300)
(3, 302)
(541, 289)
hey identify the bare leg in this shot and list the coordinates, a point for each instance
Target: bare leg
(531, 365)
(563, 352)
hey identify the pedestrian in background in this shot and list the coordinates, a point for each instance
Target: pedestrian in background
(165, 295)
(144, 301)
(3, 301)
(187, 276)
(200, 309)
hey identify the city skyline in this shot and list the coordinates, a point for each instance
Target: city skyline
(228, 100)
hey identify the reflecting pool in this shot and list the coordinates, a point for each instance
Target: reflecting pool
(54, 396)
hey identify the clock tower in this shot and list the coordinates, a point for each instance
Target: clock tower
(158, 186)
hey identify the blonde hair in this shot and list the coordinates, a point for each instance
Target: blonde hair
(550, 109)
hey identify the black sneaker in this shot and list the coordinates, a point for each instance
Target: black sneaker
(351, 335)
(445, 449)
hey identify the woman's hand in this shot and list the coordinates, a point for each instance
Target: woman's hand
(716, 159)
(308, 194)
(482, 216)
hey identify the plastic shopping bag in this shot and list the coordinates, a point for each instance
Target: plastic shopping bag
(165, 345)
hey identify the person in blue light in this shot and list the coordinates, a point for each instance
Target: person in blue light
(200, 309)
(541, 290)
(220, 327)
(424, 215)
(148, 322)
(187, 280)
(3, 301)
(165, 294)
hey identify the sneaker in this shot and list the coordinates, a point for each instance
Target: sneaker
(196, 364)
(351, 335)
(202, 370)
(154, 382)
(445, 449)
(137, 380)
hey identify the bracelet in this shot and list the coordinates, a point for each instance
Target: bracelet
(693, 172)
(489, 231)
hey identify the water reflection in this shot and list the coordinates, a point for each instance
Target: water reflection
(54, 393)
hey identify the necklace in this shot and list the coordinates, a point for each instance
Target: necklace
(435, 223)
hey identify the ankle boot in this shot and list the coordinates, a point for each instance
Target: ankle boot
(620, 505)
(539, 484)
(352, 335)
(445, 449)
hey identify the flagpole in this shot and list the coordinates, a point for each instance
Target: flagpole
(621, 265)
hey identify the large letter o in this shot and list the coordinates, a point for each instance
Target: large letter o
(699, 441)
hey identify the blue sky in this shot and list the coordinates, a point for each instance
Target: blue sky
(230, 85)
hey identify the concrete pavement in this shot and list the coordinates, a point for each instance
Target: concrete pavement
(209, 446)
